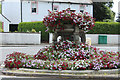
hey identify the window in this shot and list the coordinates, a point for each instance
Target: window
(55, 8)
(82, 8)
(81, 11)
(34, 5)
(13, 27)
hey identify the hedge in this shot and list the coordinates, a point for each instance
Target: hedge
(105, 28)
(38, 26)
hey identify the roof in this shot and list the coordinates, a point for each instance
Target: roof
(65, 1)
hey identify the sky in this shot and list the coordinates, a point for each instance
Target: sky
(115, 7)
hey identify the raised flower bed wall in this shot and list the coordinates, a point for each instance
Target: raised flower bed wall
(20, 38)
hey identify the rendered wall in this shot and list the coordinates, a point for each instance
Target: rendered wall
(43, 8)
(11, 9)
(111, 39)
(20, 38)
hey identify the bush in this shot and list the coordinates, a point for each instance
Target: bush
(37, 26)
(105, 28)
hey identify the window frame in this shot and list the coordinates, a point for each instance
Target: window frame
(56, 6)
(36, 7)
(84, 9)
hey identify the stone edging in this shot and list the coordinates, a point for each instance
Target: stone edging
(65, 73)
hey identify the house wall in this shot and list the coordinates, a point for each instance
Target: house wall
(119, 7)
(5, 23)
(43, 8)
(89, 9)
(11, 10)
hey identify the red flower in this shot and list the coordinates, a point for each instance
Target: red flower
(19, 62)
(54, 68)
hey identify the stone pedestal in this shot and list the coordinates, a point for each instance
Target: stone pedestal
(71, 33)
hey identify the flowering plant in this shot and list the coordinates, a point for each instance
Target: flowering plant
(56, 20)
(14, 60)
(67, 56)
(81, 55)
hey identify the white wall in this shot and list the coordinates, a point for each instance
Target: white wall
(89, 9)
(43, 8)
(20, 38)
(76, 7)
(111, 39)
(5, 23)
(62, 6)
(11, 10)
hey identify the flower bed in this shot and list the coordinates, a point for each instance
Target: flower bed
(66, 55)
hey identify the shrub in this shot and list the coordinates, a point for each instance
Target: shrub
(107, 20)
(37, 26)
(33, 30)
(105, 28)
(1, 30)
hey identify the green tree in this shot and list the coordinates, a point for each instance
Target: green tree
(101, 11)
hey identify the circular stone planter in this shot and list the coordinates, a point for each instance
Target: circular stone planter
(113, 73)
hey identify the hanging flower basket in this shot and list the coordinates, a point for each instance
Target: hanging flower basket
(57, 20)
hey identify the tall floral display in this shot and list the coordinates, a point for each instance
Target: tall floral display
(69, 25)
(56, 20)
(66, 55)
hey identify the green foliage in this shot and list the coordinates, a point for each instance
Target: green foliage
(36, 26)
(107, 20)
(16, 31)
(105, 28)
(1, 30)
(33, 30)
(0, 8)
(102, 11)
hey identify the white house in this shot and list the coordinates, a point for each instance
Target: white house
(16, 11)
